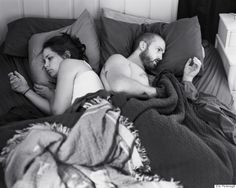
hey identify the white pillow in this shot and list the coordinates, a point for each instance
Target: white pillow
(119, 16)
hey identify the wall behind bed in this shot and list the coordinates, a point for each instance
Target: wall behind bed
(10, 10)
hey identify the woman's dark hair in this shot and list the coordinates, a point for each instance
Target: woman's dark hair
(64, 43)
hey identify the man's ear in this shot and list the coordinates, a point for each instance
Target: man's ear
(142, 45)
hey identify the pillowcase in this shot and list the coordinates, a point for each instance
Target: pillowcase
(119, 16)
(83, 28)
(20, 31)
(117, 37)
(183, 40)
(14, 106)
(36, 63)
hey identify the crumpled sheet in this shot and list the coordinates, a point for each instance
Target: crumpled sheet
(102, 154)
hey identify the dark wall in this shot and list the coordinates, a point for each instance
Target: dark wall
(207, 12)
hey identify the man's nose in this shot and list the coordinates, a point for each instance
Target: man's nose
(46, 64)
(159, 57)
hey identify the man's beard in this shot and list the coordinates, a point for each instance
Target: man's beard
(148, 63)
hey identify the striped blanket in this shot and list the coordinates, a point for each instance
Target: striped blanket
(101, 150)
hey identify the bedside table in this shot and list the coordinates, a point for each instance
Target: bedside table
(226, 46)
(227, 30)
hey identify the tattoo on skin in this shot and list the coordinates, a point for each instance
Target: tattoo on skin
(144, 94)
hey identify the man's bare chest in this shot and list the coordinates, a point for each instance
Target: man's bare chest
(138, 74)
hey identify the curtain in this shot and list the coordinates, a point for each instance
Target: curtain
(207, 12)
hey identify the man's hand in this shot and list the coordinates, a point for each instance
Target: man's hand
(191, 69)
(44, 91)
(18, 82)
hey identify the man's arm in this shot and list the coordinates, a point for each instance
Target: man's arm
(118, 75)
(191, 69)
(121, 83)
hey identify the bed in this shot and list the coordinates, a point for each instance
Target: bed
(143, 143)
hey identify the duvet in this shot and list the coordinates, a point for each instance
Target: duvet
(134, 142)
(107, 153)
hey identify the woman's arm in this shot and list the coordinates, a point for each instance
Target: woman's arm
(61, 98)
(20, 85)
(68, 70)
(37, 100)
(44, 91)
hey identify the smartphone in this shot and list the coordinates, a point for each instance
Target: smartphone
(191, 63)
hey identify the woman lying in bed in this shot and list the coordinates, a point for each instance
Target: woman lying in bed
(65, 60)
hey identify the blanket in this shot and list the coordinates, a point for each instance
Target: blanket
(180, 143)
(165, 137)
(101, 150)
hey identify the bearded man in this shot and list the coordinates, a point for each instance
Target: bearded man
(128, 75)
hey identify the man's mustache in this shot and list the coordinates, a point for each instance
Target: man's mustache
(155, 62)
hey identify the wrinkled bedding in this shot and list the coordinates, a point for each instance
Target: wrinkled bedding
(180, 143)
(214, 80)
(105, 154)
(15, 107)
(177, 142)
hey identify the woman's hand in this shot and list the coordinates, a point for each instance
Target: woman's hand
(44, 91)
(191, 69)
(18, 82)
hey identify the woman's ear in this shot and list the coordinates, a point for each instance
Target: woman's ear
(66, 54)
(142, 45)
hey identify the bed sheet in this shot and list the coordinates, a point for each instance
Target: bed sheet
(19, 108)
(14, 106)
(195, 153)
(214, 80)
(7, 131)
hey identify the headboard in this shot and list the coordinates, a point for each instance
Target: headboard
(10, 10)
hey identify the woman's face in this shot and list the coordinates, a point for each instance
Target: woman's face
(52, 62)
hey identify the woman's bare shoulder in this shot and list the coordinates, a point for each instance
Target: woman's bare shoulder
(74, 65)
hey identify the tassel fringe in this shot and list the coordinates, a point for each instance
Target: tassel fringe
(22, 134)
(141, 173)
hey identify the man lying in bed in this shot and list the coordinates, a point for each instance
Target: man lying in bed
(173, 130)
(128, 75)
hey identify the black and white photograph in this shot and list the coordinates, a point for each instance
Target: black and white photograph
(117, 93)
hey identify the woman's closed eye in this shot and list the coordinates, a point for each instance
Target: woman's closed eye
(50, 58)
(47, 60)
